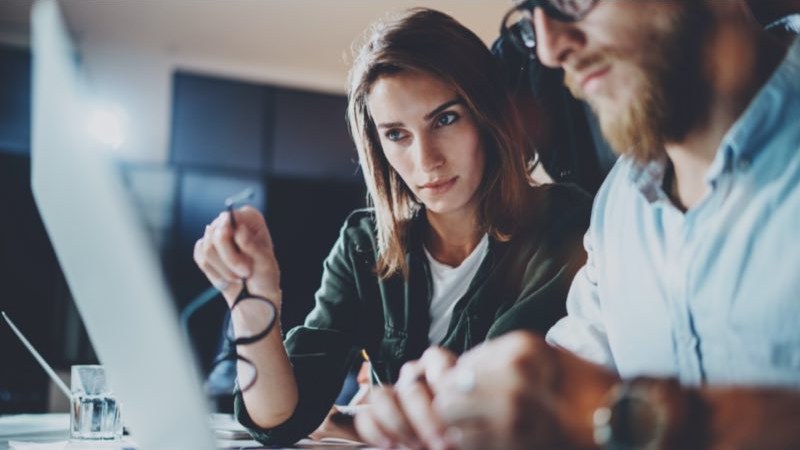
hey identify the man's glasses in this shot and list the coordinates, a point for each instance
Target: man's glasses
(252, 317)
(517, 24)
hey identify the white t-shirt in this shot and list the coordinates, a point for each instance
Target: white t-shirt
(449, 285)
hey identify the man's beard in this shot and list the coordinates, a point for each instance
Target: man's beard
(673, 98)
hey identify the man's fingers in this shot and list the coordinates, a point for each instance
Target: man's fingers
(416, 400)
(391, 419)
(370, 432)
(473, 435)
(454, 407)
(436, 361)
(410, 373)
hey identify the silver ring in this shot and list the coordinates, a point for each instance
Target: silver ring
(465, 380)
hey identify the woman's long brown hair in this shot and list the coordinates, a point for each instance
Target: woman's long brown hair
(434, 43)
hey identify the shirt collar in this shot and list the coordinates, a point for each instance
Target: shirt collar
(746, 138)
(648, 178)
(765, 115)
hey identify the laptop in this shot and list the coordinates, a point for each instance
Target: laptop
(109, 261)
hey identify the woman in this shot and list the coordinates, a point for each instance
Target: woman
(457, 248)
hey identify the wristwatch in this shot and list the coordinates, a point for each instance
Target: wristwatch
(650, 414)
(630, 419)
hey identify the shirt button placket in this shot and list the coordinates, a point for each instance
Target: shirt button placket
(675, 241)
(690, 345)
(686, 342)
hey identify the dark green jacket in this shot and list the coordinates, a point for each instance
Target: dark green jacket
(521, 284)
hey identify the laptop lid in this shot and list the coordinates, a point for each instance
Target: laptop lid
(109, 262)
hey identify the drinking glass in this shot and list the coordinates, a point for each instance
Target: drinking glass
(94, 410)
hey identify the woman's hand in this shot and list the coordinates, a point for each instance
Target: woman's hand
(227, 255)
(403, 415)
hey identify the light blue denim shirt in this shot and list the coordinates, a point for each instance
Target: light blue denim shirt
(711, 295)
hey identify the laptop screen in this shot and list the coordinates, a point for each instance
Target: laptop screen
(109, 261)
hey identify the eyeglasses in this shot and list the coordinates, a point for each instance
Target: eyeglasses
(517, 24)
(252, 317)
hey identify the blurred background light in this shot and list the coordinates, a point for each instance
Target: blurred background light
(106, 125)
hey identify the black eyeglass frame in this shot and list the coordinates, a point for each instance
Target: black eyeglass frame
(232, 354)
(522, 34)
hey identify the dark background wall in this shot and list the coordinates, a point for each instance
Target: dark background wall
(292, 147)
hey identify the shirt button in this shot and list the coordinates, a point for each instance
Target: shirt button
(743, 164)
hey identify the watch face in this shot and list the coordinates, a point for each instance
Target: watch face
(634, 419)
(635, 423)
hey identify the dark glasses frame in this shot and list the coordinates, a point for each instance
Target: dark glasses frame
(522, 33)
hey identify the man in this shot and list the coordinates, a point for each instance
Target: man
(692, 278)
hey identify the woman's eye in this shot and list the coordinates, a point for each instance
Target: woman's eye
(446, 119)
(394, 135)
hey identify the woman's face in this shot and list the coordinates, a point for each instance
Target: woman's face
(430, 138)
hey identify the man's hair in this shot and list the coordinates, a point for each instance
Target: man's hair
(434, 43)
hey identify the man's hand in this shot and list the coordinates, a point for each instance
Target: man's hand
(403, 414)
(517, 392)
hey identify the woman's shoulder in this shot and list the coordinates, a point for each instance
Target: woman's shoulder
(360, 218)
(359, 228)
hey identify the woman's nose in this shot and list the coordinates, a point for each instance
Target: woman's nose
(429, 156)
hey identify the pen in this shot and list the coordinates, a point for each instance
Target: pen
(38, 357)
(371, 367)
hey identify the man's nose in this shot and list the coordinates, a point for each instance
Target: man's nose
(555, 40)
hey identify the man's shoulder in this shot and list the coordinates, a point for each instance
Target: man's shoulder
(618, 184)
(619, 195)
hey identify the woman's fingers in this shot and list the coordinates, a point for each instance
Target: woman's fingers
(206, 257)
(254, 230)
(229, 253)
(201, 259)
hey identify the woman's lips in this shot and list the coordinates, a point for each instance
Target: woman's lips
(439, 187)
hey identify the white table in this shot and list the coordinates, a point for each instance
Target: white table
(33, 427)
(51, 432)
